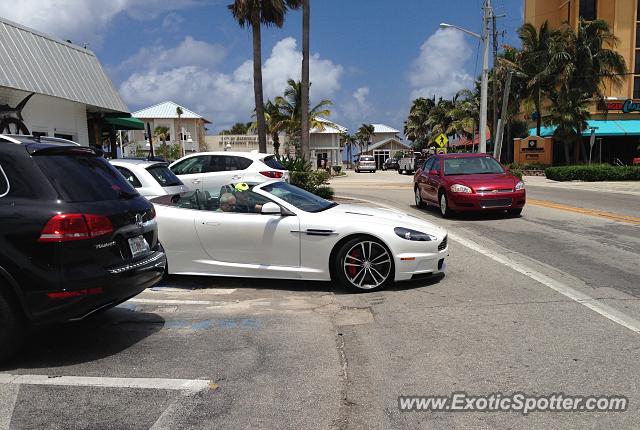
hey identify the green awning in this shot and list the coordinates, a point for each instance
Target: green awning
(126, 123)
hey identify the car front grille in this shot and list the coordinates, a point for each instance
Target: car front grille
(495, 203)
(500, 190)
(443, 244)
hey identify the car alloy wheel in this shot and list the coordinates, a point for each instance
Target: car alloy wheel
(444, 206)
(364, 264)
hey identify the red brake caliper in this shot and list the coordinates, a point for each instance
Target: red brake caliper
(353, 269)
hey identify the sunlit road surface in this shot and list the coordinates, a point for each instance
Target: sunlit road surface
(544, 303)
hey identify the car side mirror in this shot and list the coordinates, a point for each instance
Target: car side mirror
(271, 208)
(434, 172)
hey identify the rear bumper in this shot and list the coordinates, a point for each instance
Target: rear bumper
(369, 168)
(87, 296)
(486, 202)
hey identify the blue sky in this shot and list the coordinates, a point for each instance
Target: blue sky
(370, 57)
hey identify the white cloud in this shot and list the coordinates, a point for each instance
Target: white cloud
(83, 20)
(222, 97)
(190, 52)
(358, 109)
(172, 22)
(439, 67)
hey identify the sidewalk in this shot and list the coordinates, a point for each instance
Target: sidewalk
(619, 187)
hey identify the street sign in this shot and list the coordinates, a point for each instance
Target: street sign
(442, 140)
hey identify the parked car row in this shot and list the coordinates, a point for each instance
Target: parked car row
(78, 237)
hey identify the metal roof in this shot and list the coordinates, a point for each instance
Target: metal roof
(166, 110)
(35, 62)
(330, 127)
(387, 140)
(381, 128)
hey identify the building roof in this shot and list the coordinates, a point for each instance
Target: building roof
(167, 110)
(329, 127)
(35, 62)
(387, 140)
(382, 128)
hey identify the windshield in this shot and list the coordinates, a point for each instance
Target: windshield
(366, 158)
(471, 166)
(298, 197)
(164, 176)
(273, 162)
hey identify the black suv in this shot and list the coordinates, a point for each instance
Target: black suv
(390, 164)
(75, 237)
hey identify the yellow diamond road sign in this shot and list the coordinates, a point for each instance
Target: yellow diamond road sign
(442, 140)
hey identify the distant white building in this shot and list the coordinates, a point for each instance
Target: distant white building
(188, 129)
(324, 143)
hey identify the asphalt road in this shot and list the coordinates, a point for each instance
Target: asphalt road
(543, 303)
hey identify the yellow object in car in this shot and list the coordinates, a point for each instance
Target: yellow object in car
(241, 186)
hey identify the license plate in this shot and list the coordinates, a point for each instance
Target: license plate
(138, 245)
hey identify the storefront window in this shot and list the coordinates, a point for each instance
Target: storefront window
(588, 10)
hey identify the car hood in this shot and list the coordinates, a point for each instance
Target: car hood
(391, 217)
(491, 181)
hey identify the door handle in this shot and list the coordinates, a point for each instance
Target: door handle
(195, 181)
(210, 223)
(236, 177)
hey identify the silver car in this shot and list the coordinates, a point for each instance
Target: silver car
(150, 178)
(366, 163)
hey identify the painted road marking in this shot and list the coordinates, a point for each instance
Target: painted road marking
(8, 399)
(591, 212)
(186, 289)
(185, 385)
(584, 299)
(171, 302)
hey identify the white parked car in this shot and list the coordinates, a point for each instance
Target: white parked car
(211, 170)
(277, 230)
(150, 178)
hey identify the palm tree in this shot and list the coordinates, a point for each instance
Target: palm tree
(365, 132)
(569, 112)
(254, 13)
(304, 135)
(415, 126)
(179, 112)
(348, 140)
(464, 112)
(538, 63)
(275, 123)
(162, 133)
(290, 107)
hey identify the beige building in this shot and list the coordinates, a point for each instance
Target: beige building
(385, 143)
(616, 123)
(189, 129)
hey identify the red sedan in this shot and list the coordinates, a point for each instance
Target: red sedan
(467, 182)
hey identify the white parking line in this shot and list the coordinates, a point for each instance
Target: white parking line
(170, 302)
(575, 295)
(185, 385)
(8, 398)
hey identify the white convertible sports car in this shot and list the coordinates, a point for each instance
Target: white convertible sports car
(277, 230)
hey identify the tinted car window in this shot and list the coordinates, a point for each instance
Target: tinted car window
(4, 183)
(190, 165)
(225, 163)
(273, 162)
(21, 184)
(368, 158)
(243, 163)
(129, 176)
(84, 178)
(164, 176)
(428, 165)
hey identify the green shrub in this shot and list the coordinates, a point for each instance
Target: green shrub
(315, 182)
(337, 169)
(527, 166)
(594, 172)
(516, 172)
(295, 164)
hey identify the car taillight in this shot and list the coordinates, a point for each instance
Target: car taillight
(272, 174)
(68, 227)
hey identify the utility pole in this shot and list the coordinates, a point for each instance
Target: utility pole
(486, 14)
(497, 150)
(494, 87)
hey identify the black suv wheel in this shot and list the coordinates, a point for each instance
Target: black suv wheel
(10, 328)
